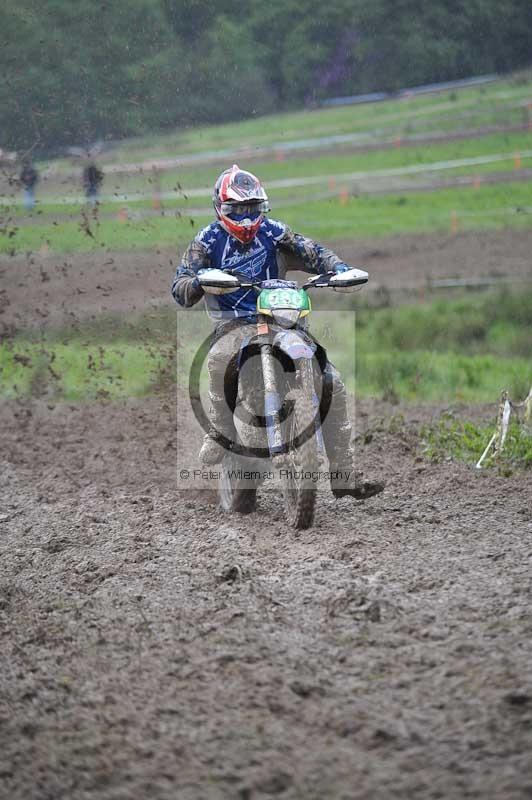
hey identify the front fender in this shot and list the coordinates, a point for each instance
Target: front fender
(296, 344)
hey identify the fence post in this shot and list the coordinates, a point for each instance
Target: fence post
(503, 420)
(496, 443)
(527, 418)
(454, 222)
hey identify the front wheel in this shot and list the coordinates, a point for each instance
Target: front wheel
(298, 476)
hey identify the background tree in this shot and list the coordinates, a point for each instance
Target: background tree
(76, 71)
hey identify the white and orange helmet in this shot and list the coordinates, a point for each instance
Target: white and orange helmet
(240, 203)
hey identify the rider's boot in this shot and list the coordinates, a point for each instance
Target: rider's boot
(346, 482)
(220, 437)
(212, 452)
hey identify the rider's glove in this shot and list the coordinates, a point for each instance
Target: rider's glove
(341, 267)
(196, 281)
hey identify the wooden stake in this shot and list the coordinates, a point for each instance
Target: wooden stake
(528, 411)
(454, 222)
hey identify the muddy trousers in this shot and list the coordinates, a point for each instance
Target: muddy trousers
(223, 383)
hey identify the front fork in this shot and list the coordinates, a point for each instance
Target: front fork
(272, 400)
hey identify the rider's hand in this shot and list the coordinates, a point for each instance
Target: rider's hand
(196, 285)
(341, 267)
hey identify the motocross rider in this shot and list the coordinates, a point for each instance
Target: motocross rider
(243, 238)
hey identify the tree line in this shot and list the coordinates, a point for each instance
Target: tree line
(73, 72)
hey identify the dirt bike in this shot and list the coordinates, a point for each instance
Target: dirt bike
(278, 413)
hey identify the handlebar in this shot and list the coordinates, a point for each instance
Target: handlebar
(219, 281)
(330, 279)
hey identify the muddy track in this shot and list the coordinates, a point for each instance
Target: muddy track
(154, 648)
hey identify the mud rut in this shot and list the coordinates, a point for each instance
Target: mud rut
(47, 289)
(151, 647)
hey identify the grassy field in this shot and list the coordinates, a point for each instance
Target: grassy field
(478, 347)
(506, 102)
(500, 152)
(501, 102)
(340, 162)
(469, 208)
(337, 163)
(339, 203)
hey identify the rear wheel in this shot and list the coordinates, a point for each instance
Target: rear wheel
(299, 488)
(236, 494)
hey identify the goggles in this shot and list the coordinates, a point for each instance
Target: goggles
(240, 211)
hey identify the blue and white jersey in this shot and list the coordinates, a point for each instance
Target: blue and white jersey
(257, 260)
(214, 248)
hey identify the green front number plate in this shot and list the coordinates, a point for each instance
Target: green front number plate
(283, 298)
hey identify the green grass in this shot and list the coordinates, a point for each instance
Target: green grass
(110, 357)
(77, 371)
(336, 162)
(107, 234)
(467, 349)
(497, 323)
(454, 439)
(423, 112)
(483, 208)
(478, 347)
(501, 103)
(485, 105)
(427, 376)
